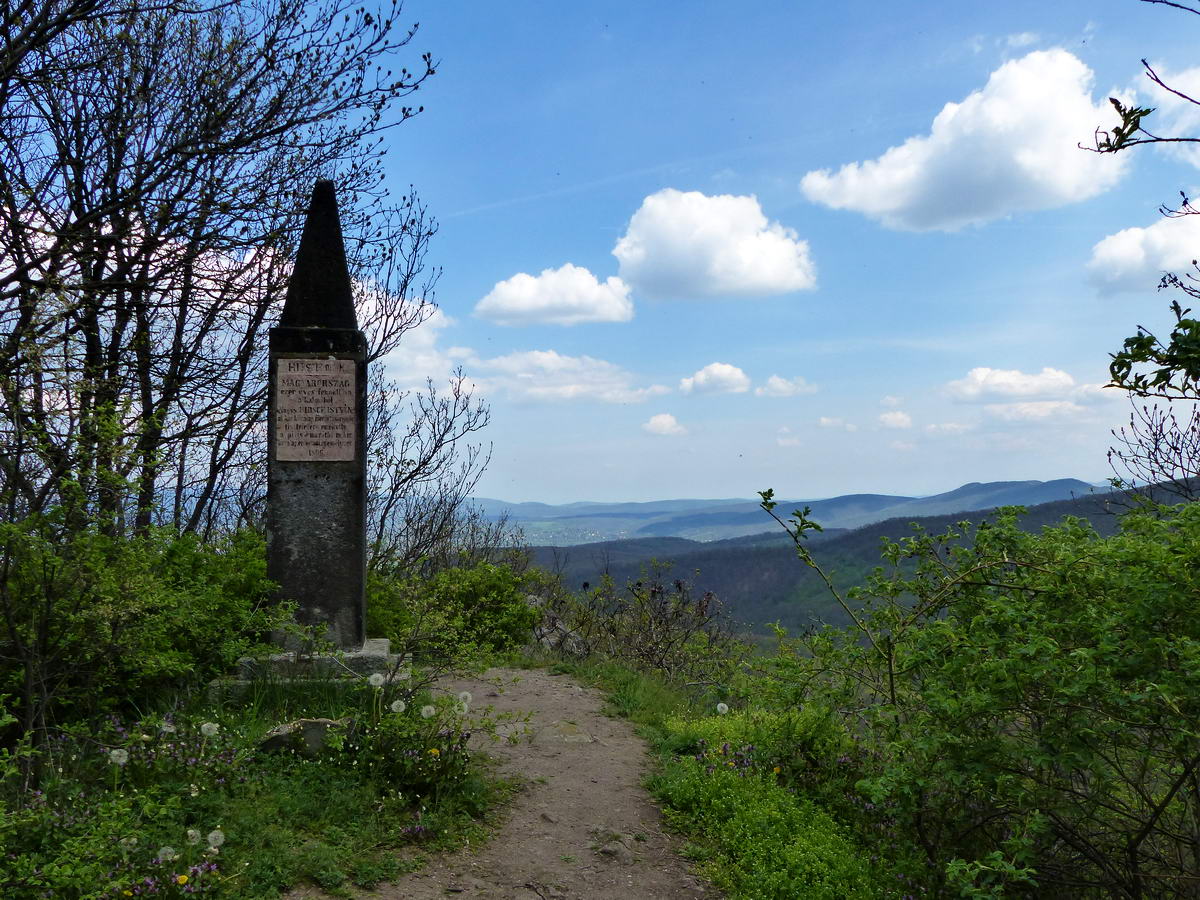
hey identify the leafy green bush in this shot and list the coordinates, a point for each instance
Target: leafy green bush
(765, 842)
(91, 622)
(655, 625)
(453, 614)
(1024, 707)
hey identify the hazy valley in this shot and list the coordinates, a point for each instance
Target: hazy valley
(752, 567)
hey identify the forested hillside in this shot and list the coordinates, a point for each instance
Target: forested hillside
(758, 577)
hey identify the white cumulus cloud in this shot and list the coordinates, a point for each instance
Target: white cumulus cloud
(785, 438)
(983, 383)
(716, 378)
(568, 295)
(549, 375)
(1134, 259)
(947, 428)
(687, 244)
(418, 357)
(1035, 410)
(895, 419)
(1021, 39)
(1011, 146)
(835, 422)
(664, 424)
(778, 386)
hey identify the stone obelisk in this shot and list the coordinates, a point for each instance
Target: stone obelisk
(316, 443)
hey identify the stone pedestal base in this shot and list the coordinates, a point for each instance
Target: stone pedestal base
(375, 656)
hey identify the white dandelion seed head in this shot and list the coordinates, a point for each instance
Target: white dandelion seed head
(398, 706)
(722, 708)
(209, 729)
(167, 854)
(118, 757)
(427, 711)
(193, 836)
(216, 838)
(376, 679)
(465, 697)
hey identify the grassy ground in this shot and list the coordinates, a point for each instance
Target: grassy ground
(184, 801)
(750, 830)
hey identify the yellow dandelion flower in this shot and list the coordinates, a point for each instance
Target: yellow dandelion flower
(434, 751)
(181, 879)
(776, 770)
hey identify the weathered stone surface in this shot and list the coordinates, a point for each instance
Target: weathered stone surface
(562, 732)
(319, 294)
(307, 737)
(374, 656)
(315, 410)
(316, 438)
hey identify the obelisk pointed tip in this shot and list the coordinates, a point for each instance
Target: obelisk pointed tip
(319, 293)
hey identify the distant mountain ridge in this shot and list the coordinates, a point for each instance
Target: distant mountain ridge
(760, 580)
(586, 522)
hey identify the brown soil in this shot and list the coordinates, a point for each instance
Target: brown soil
(582, 827)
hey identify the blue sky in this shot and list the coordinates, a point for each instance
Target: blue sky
(697, 249)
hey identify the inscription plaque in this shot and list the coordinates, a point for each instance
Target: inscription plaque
(315, 410)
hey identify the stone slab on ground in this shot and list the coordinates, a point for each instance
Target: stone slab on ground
(582, 828)
(374, 656)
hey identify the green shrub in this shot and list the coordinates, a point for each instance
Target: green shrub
(1024, 706)
(766, 843)
(655, 625)
(92, 623)
(453, 614)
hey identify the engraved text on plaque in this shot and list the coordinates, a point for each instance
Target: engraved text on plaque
(315, 409)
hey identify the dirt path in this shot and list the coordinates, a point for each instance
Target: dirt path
(582, 828)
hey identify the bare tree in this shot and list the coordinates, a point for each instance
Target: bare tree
(420, 476)
(149, 204)
(1156, 449)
